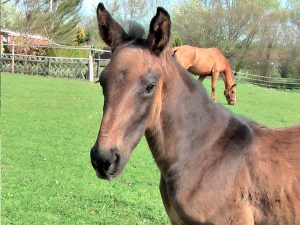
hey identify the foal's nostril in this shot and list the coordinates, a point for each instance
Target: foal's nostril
(116, 156)
(94, 157)
(106, 163)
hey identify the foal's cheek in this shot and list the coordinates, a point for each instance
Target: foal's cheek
(136, 122)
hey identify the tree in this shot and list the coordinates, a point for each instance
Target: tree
(79, 37)
(54, 19)
(10, 17)
(123, 11)
(252, 39)
(135, 9)
(230, 25)
(91, 28)
(176, 41)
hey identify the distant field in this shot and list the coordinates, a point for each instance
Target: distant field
(48, 127)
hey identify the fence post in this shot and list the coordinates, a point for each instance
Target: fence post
(49, 67)
(1, 53)
(90, 67)
(1, 47)
(98, 64)
(13, 58)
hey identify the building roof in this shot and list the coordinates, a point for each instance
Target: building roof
(26, 35)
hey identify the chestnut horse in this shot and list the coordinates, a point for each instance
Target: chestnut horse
(215, 167)
(207, 62)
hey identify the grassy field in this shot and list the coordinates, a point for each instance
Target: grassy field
(48, 126)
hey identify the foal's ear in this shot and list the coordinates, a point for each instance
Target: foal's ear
(160, 31)
(110, 31)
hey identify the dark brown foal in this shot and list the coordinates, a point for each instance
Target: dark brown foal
(215, 168)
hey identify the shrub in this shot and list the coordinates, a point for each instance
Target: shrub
(64, 52)
(26, 50)
(79, 37)
(177, 41)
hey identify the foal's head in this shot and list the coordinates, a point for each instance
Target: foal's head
(131, 87)
(230, 94)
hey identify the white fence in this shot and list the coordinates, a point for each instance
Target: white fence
(86, 68)
(269, 82)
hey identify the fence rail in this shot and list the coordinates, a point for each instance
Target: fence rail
(59, 47)
(17, 59)
(42, 65)
(269, 82)
(88, 68)
(54, 66)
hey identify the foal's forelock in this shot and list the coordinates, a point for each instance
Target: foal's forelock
(136, 30)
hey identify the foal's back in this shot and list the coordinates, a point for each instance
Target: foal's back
(275, 172)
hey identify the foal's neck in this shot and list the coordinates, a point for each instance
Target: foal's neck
(186, 117)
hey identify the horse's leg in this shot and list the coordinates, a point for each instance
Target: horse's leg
(201, 78)
(214, 78)
(165, 199)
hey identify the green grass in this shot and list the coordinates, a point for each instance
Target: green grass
(271, 107)
(48, 126)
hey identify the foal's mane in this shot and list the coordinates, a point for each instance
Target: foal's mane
(239, 130)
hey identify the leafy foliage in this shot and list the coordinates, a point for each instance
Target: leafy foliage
(26, 50)
(10, 17)
(63, 52)
(79, 37)
(176, 41)
(256, 35)
(54, 19)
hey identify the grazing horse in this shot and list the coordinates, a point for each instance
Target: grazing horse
(207, 62)
(216, 169)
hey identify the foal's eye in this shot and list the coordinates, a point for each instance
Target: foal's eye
(149, 88)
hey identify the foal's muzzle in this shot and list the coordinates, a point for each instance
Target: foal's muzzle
(106, 163)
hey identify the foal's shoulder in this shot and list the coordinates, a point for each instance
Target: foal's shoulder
(237, 136)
